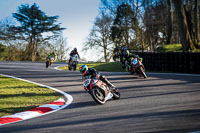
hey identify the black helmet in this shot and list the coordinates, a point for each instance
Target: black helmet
(75, 49)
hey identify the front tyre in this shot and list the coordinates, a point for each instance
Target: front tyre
(141, 70)
(98, 96)
(74, 67)
(116, 94)
(69, 67)
(47, 64)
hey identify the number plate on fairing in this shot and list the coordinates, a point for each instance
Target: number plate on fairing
(87, 82)
(135, 61)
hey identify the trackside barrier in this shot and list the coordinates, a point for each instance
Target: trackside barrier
(179, 62)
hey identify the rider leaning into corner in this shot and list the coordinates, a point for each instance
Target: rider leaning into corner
(95, 74)
(127, 56)
(72, 53)
(52, 55)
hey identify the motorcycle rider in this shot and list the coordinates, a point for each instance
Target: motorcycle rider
(130, 58)
(51, 55)
(72, 53)
(95, 74)
(124, 54)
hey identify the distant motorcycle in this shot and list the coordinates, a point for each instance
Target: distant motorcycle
(99, 91)
(49, 61)
(138, 68)
(73, 63)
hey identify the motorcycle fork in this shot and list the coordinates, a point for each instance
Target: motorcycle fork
(106, 89)
(71, 62)
(100, 85)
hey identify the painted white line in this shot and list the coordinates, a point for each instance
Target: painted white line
(51, 106)
(59, 66)
(32, 114)
(23, 115)
(60, 100)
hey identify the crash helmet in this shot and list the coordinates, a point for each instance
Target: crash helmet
(124, 48)
(83, 69)
(75, 49)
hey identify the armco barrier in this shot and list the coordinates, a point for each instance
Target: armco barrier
(181, 62)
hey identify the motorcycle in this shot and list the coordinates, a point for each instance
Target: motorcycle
(49, 61)
(99, 91)
(137, 67)
(73, 63)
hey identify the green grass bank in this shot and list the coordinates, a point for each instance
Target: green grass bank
(100, 66)
(17, 95)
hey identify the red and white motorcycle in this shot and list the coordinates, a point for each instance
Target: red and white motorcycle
(137, 67)
(99, 91)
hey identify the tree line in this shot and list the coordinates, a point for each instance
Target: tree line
(33, 36)
(142, 25)
(145, 25)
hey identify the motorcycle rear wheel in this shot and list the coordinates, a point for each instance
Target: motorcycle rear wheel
(98, 96)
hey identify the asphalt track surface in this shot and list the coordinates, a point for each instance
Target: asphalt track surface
(161, 103)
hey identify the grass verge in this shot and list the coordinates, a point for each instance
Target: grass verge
(173, 48)
(99, 66)
(17, 96)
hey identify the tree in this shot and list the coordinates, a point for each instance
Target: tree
(170, 21)
(122, 29)
(33, 24)
(196, 16)
(183, 27)
(100, 36)
(60, 47)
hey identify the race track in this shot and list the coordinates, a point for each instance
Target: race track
(161, 103)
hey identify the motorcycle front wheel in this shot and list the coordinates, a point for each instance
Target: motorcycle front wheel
(98, 96)
(141, 70)
(69, 67)
(74, 67)
(116, 94)
(47, 64)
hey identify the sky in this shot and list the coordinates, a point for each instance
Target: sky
(75, 15)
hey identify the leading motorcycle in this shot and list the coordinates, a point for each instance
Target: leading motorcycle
(73, 63)
(49, 61)
(99, 91)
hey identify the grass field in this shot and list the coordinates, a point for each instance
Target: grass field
(109, 67)
(17, 95)
(173, 48)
